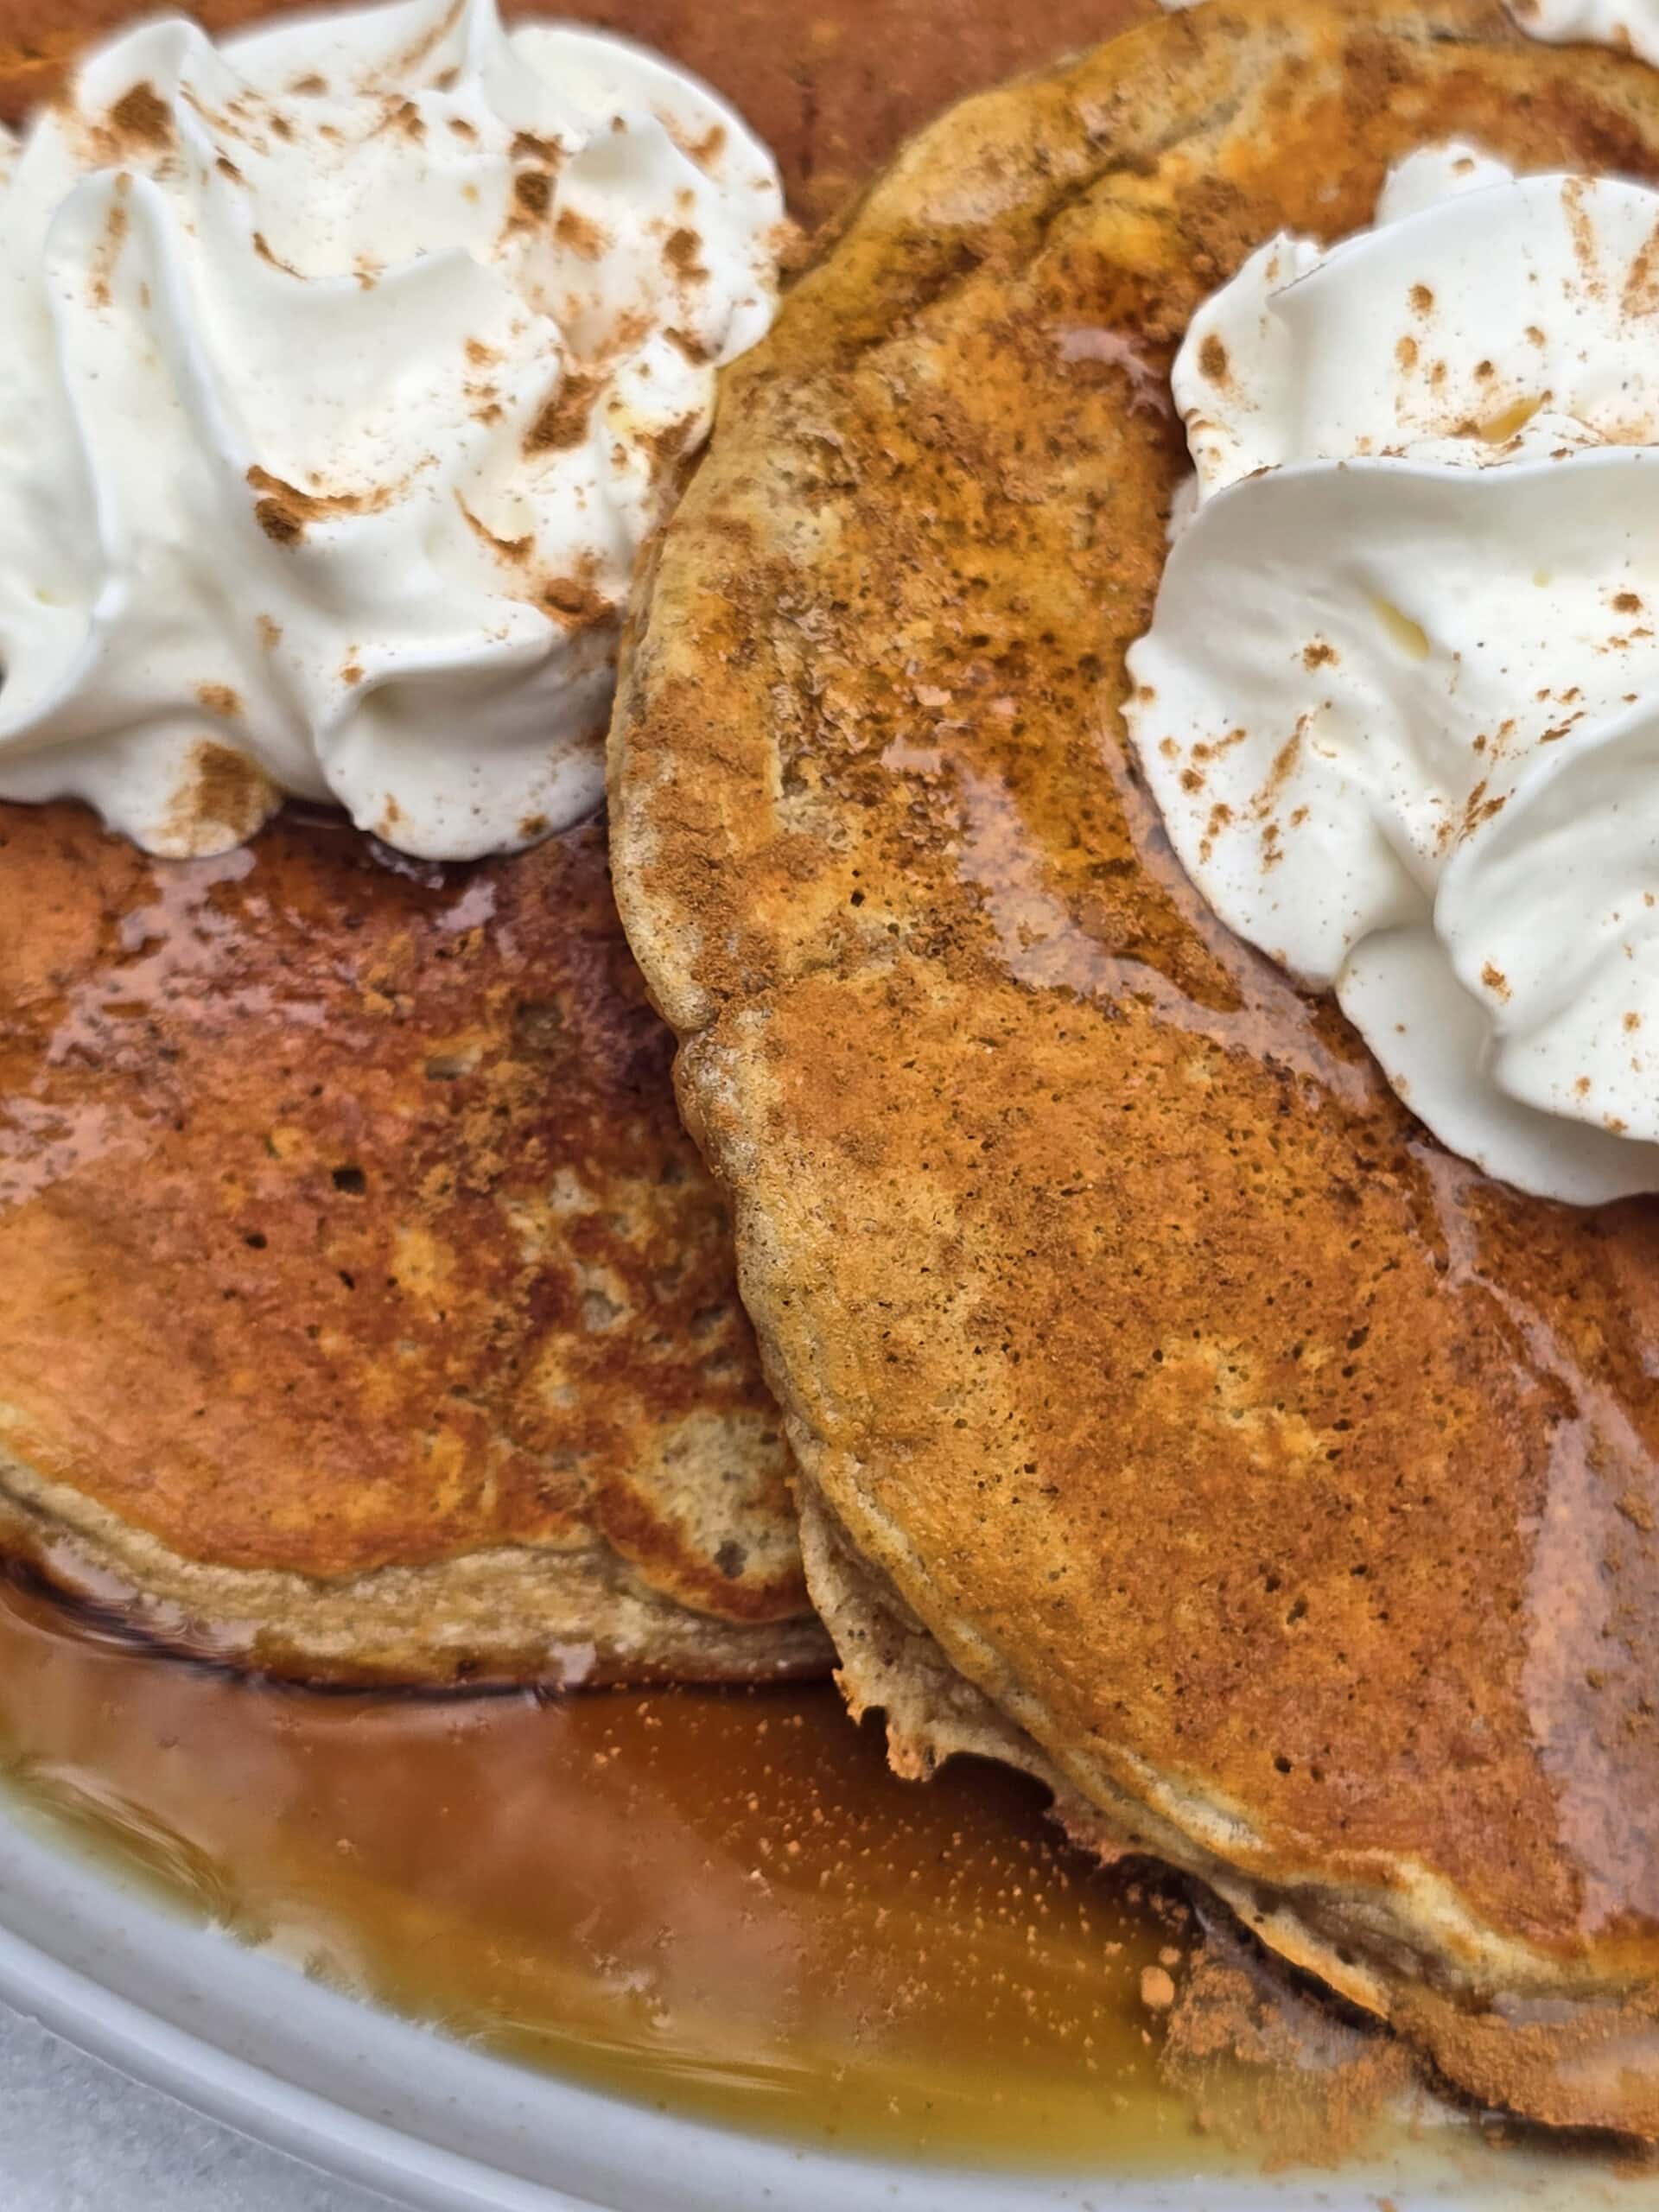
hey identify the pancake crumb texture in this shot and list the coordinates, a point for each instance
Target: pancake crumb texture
(1280, 1488)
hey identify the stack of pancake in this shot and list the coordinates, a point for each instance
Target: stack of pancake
(1172, 1417)
(1175, 1418)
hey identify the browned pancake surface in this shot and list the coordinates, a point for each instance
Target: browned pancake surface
(1274, 1471)
(345, 1222)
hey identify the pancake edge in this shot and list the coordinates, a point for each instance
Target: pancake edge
(501, 1616)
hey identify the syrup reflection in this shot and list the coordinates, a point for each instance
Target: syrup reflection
(1592, 1585)
(722, 1900)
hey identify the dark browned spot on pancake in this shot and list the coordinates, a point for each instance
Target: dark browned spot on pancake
(1627, 602)
(1212, 360)
(1495, 980)
(1423, 299)
(219, 699)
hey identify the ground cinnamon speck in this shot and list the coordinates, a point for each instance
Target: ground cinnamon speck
(142, 113)
(681, 250)
(563, 421)
(580, 234)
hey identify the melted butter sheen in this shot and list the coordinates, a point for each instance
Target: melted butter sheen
(724, 1903)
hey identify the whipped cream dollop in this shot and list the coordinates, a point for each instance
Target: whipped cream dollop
(344, 367)
(1631, 25)
(1400, 700)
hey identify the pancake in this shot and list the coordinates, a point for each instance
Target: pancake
(364, 1310)
(452, 1384)
(1174, 1416)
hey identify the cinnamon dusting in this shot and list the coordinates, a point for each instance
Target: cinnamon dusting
(225, 796)
(681, 250)
(563, 421)
(283, 511)
(580, 234)
(509, 549)
(532, 189)
(142, 114)
(575, 604)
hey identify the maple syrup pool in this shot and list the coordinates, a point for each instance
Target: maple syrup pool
(720, 1903)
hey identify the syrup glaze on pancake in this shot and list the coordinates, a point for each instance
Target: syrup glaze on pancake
(398, 1496)
(1286, 1491)
(362, 1303)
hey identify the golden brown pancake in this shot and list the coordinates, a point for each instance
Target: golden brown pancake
(363, 1310)
(1175, 1416)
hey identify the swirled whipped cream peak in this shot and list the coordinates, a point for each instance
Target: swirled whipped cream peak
(1400, 700)
(1629, 26)
(343, 368)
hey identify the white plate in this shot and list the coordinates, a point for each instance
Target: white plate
(378, 2101)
